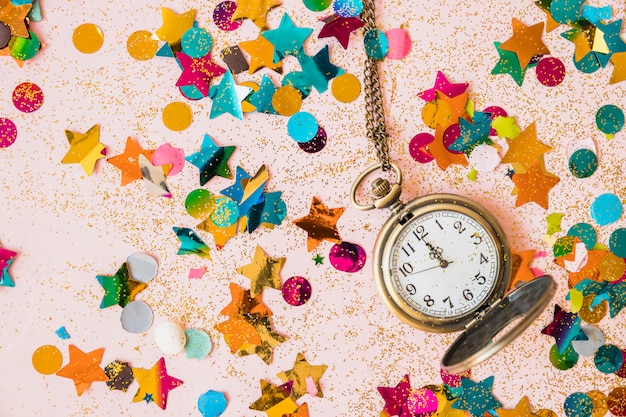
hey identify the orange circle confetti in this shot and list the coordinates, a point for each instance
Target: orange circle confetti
(88, 38)
(617, 401)
(142, 45)
(346, 87)
(47, 359)
(436, 112)
(287, 100)
(595, 314)
(177, 116)
(598, 399)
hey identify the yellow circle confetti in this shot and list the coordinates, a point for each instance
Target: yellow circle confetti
(436, 112)
(346, 87)
(142, 45)
(47, 359)
(287, 100)
(177, 116)
(88, 38)
(600, 407)
(595, 314)
(246, 106)
(611, 267)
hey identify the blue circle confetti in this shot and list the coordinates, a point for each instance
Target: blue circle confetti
(376, 44)
(212, 404)
(585, 232)
(608, 359)
(348, 8)
(578, 404)
(617, 242)
(196, 42)
(606, 209)
(563, 361)
(583, 163)
(610, 119)
(302, 127)
(226, 212)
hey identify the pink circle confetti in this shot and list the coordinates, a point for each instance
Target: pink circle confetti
(454, 380)
(8, 132)
(452, 133)
(416, 148)
(317, 143)
(495, 111)
(347, 257)
(223, 14)
(550, 71)
(422, 402)
(296, 291)
(166, 154)
(399, 43)
(27, 97)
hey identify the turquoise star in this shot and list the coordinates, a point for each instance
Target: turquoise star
(477, 397)
(472, 134)
(287, 39)
(509, 64)
(211, 160)
(612, 36)
(119, 289)
(5, 279)
(227, 97)
(235, 191)
(318, 70)
(262, 98)
(617, 298)
(190, 243)
(148, 398)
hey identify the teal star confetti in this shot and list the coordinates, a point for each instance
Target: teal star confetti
(227, 97)
(318, 70)
(262, 98)
(287, 39)
(235, 191)
(148, 398)
(565, 327)
(6, 259)
(119, 289)
(477, 397)
(270, 210)
(211, 160)
(472, 134)
(509, 64)
(190, 243)
(611, 32)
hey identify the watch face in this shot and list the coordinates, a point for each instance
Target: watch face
(445, 263)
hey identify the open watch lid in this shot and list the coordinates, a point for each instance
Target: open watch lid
(476, 344)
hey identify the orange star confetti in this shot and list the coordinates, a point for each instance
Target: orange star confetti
(320, 224)
(534, 185)
(522, 271)
(522, 409)
(14, 17)
(526, 42)
(442, 155)
(84, 368)
(128, 162)
(274, 400)
(243, 303)
(525, 148)
(261, 53)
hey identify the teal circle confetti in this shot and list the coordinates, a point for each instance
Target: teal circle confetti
(608, 359)
(617, 242)
(226, 212)
(588, 64)
(583, 163)
(348, 8)
(317, 5)
(198, 345)
(578, 404)
(302, 126)
(191, 92)
(564, 361)
(610, 119)
(196, 42)
(297, 80)
(212, 404)
(606, 209)
(376, 44)
(585, 232)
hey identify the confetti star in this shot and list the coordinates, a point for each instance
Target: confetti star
(269, 340)
(318, 70)
(261, 53)
(221, 235)
(396, 398)
(611, 34)
(243, 303)
(340, 28)
(522, 409)
(477, 397)
(509, 64)
(551, 24)
(274, 400)
(238, 332)
(211, 160)
(14, 16)
(154, 178)
(6, 259)
(320, 224)
(300, 373)
(564, 327)
(198, 72)
(262, 98)
(525, 148)
(521, 270)
(318, 259)
(255, 10)
(587, 40)
(534, 185)
(443, 156)
(119, 289)
(302, 411)
(526, 42)
(227, 97)
(190, 243)
(83, 368)
(155, 384)
(444, 86)
(128, 162)
(175, 25)
(274, 209)
(472, 134)
(85, 149)
(287, 39)
(618, 60)
(262, 272)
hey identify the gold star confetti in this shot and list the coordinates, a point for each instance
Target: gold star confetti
(255, 10)
(525, 148)
(262, 272)
(300, 373)
(526, 42)
(14, 17)
(522, 409)
(175, 25)
(534, 185)
(85, 149)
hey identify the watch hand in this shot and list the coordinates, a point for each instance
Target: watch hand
(442, 264)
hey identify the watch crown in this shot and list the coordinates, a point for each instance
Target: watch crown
(380, 187)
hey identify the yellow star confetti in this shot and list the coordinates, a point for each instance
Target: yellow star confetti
(255, 10)
(526, 42)
(262, 272)
(525, 148)
(175, 25)
(85, 149)
(534, 185)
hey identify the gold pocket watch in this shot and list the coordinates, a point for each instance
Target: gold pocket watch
(442, 262)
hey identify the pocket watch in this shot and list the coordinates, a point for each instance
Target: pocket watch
(442, 262)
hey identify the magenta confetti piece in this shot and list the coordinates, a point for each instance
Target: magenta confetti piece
(347, 257)
(27, 97)
(454, 380)
(166, 154)
(550, 71)
(8, 132)
(416, 147)
(223, 14)
(495, 111)
(422, 401)
(452, 133)
(296, 291)
(317, 143)
(399, 43)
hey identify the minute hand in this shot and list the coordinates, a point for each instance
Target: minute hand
(440, 265)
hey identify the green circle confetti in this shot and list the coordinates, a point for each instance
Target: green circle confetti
(585, 232)
(24, 48)
(200, 203)
(583, 163)
(563, 246)
(608, 359)
(564, 361)
(617, 242)
(578, 404)
(610, 119)
(317, 5)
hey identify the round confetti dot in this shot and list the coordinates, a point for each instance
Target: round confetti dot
(191, 92)
(621, 372)
(212, 404)
(617, 242)
(136, 317)
(585, 232)
(345, 87)
(47, 359)
(376, 44)
(142, 45)
(436, 112)
(286, 100)
(422, 401)
(166, 154)
(600, 407)
(196, 42)
(317, 5)
(578, 404)
(302, 126)
(347, 257)
(226, 212)
(454, 380)
(223, 14)
(616, 401)
(550, 71)
(611, 267)
(198, 345)
(5, 35)
(495, 111)
(583, 163)
(452, 133)
(348, 8)
(8, 132)
(200, 203)
(120, 375)
(484, 158)
(177, 116)
(608, 359)
(606, 209)
(317, 143)
(544, 412)
(565, 360)
(595, 339)
(563, 246)
(24, 49)
(88, 38)
(593, 314)
(610, 119)
(296, 291)
(417, 147)
(142, 267)
(399, 43)
(27, 97)
(170, 337)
